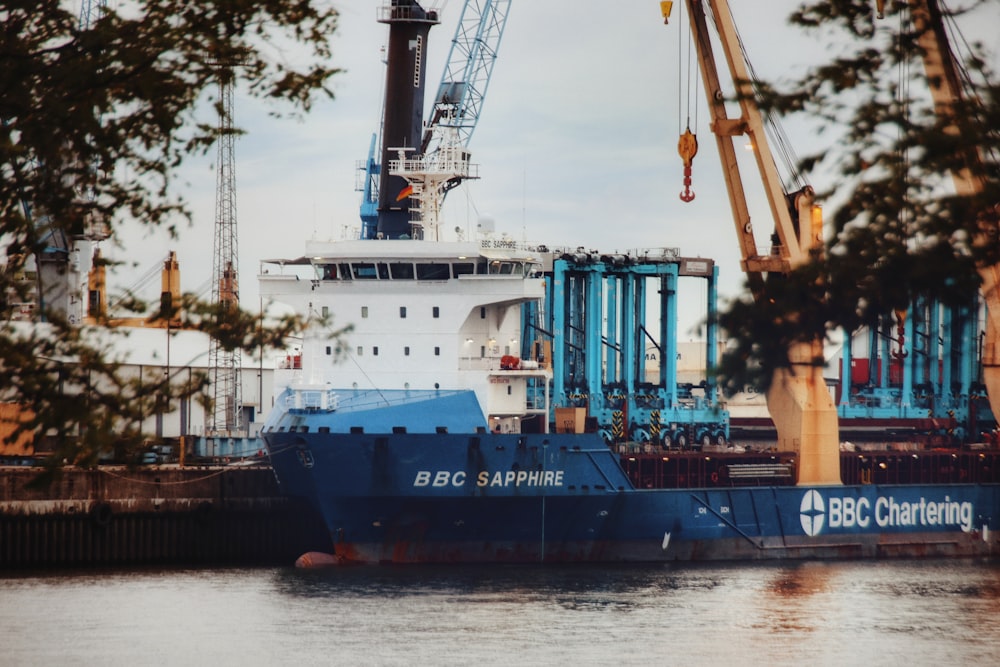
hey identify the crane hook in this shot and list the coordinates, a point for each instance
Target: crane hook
(687, 147)
(901, 353)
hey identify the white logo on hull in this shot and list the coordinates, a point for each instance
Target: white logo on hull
(812, 513)
(499, 478)
(815, 512)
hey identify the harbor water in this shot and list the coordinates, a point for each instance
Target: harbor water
(817, 613)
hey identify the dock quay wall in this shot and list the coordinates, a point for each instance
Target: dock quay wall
(165, 515)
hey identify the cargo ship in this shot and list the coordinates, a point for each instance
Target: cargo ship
(407, 440)
(431, 418)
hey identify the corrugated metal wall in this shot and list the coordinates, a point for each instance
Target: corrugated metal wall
(227, 516)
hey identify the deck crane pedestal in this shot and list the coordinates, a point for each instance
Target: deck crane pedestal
(798, 400)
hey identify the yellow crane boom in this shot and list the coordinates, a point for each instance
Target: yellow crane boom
(801, 407)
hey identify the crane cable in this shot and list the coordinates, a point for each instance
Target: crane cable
(685, 89)
(781, 146)
(137, 286)
(969, 88)
(903, 98)
(960, 60)
(687, 145)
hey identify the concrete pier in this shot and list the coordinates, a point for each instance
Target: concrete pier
(168, 515)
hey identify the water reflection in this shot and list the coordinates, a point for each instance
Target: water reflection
(826, 613)
(790, 601)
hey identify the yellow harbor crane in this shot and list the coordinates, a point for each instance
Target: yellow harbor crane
(798, 400)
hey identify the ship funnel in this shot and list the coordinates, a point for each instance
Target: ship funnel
(402, 123)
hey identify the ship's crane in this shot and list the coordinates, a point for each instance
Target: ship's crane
(61, 260)
(804, 415)
(466, 77)
(946, 90)
(452, 119)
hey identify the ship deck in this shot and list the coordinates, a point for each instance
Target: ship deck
(654, 468)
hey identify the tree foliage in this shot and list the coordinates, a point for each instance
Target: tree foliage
(898, 229)
(95, 120)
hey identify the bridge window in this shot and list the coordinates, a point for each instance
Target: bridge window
(463, 268)
(433, 271)
(364, 270)
(401, 271)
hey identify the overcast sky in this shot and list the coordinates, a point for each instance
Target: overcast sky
(577, 141)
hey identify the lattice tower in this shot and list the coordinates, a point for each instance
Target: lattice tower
(225, 364)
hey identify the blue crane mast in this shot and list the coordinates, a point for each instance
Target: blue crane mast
(90, 10)
(457, 105)
(460, 96)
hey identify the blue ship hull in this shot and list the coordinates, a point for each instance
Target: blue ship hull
(451, 493)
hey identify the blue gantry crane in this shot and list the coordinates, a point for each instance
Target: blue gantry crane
(601, 313)
(918, 372)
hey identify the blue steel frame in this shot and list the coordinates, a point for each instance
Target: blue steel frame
(596, 315)
(930, 372)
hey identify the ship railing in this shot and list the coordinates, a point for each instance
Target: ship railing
(389, 13)
(535, 404)
(497, 365)
(479, 363)
(312, 399)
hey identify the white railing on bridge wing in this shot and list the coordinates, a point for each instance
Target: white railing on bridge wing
(312, 399)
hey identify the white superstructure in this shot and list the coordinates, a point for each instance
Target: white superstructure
(422, 315)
